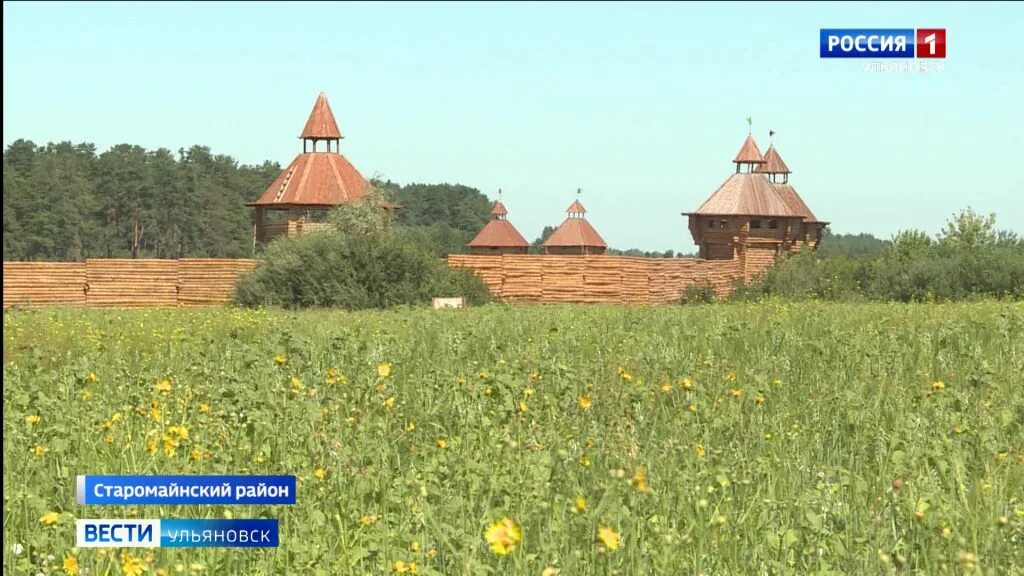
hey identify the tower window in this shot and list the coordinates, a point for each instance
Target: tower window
(711, 223)
(755, 223)
(773, 224)
(723, 224)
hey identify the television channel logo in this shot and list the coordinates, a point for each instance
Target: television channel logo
(882, 43)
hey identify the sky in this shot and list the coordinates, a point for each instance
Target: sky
(643, 106)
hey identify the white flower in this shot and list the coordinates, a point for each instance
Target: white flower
(17, 549)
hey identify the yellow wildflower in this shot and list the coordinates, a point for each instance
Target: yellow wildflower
(32, 419)
(163, 386)
(736, 392)
(38, 451)
(938, 385)
(666, 387)
(442, 443)
(700, 451)
(411, 426)
(400, 567)
(280, 359)
(319, 473)
(581, 504)
(91, 377)
(204, 408)
(585, 402)
(528, 392)
(522, 406)
(608, 537)
(759, 400)
(503, 536)
(384, 370)
(390, 402)
(550, 571)
(414, 546)
(131, 566)
(687, 384)
(50, 518)
(71, 565)
(640, 480)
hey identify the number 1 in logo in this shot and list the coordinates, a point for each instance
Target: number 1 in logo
(931, 43)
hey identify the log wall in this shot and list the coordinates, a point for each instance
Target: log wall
(597, 279)
(123, 283)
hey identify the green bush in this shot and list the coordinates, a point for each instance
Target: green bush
(701, 293)
(969, 259)
(360, 263)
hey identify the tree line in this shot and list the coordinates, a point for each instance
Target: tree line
(67, 202)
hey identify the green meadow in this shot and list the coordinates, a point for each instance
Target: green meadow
(762, 438)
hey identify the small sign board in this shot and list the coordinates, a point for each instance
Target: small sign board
(438, 303)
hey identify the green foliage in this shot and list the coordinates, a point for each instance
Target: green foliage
(702, 293)
(850, 245)
(65, 202)
(537, 246)
(969, 259)
(361, 263)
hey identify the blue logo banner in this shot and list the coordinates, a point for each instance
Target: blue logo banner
(867, 43)
(134, 533)
(168, 490)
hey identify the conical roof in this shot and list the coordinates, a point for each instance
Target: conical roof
(321, 124)
(315, 179)
(746, 195)
(576, 208)
(749, 152)
(498, 234)
(575, 232)
(773, 163)
(795, 202)
(499, 209)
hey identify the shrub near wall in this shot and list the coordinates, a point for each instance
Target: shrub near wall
(354, 271)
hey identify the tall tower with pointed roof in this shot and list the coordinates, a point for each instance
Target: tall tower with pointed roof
(498, 236)
(316, 181)
(755, 214)
(575, 235)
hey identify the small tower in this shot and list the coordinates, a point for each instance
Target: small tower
(316, 181)
(754, 215)
(810, 230)
(498, 236)
(575, 235)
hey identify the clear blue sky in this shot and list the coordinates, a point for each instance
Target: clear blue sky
(641, 105)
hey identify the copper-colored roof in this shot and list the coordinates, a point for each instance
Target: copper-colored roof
(576, 232)
(749, 152)
(315, 179)
(321, 124)
(795, 202)
(498, 234)
(773, 163)
(499, 209)
(746, 195)
(576, 208)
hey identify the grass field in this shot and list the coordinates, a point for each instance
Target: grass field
(722, 439)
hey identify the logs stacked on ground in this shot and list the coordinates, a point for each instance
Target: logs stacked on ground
(204, 281)
(43, 283)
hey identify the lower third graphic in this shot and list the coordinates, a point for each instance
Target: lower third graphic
(132, 533)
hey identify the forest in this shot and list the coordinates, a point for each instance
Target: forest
(68, 202)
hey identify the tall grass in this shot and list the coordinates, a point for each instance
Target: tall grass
(805, 438)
